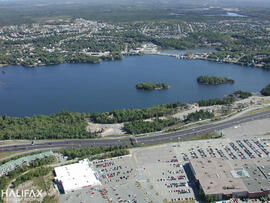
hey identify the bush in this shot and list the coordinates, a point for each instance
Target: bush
(138, 127)
(32, 174)
(266, 91)
(199, 115)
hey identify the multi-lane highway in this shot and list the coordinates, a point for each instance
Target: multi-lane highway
(163, 138)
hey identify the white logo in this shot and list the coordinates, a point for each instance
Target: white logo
(22, 194)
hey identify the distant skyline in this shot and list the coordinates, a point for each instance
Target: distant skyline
(25, 11)
(192, 2)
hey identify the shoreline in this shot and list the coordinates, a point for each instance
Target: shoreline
(196, 56)
(155, 89)
(64, 62)
(203, 56)
(163, 88)
(191, 103)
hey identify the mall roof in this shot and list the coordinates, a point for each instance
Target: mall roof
(76, 176)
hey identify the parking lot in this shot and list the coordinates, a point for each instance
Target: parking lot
(241, 148)
(155, 174)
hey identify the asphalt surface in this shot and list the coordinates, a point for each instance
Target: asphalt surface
(168, 137)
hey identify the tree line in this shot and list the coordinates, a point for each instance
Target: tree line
(127, 115)
(225, 100)
(266, 90)
(61, 125)
(139, 127)
(88, 152)
(199, 115)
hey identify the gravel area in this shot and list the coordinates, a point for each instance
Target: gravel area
(106, 129)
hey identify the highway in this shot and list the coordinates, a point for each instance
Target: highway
(156, 139)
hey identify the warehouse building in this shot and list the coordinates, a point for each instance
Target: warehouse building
(76, 176)
(225, 179)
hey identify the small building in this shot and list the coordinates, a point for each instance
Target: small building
(76, 176)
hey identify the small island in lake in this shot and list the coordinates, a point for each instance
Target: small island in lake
(213, 80)
(152, 86)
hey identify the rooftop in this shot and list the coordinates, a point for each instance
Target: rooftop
(215, 176)
(76, 176)
(222, 176)
(257, 180)
(13, 164)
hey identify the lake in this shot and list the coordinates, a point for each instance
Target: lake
(111, 85)
(228, 14)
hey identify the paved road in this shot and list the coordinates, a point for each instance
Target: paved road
(174, 136)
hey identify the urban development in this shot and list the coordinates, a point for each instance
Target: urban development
(134, 101)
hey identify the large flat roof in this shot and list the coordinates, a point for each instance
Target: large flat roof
(76, 176)
(215, 176)
(258, 181)
(222, 176)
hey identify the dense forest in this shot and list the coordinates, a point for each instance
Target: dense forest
(213, 80)
(152, 86)
(56, 126)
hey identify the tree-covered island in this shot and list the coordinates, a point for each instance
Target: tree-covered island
(152, 86)
(213, 80)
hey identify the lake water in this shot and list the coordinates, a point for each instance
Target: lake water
(111, 85)
(228, 14)
(183, 52)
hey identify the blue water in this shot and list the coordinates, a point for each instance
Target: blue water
(228, 14)
(111, 85)
(234, 14)
(194, 51)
